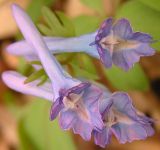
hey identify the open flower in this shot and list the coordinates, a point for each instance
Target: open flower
(75, 101)
(117, 43)
(78, 109)
(114, 43)
(121, 119)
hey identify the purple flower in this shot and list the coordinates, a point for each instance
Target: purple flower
(76, 102)
(77, 108)
(117, 43)
(122, 120)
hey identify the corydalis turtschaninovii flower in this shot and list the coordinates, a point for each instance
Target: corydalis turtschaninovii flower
(117, 43)
(119, 116)
(121, 119)
(113, 43)
(75, 101)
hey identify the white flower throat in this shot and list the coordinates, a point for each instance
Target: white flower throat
(75, 102)
(114, 116)
(113, 42)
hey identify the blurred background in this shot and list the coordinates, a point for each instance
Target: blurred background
(24, 120)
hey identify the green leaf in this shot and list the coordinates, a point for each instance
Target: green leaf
(81, 72)
(36, 62)
(67, 23)
(154, 4)
(34, 9)
(134, 79)
(24, 68)
(43, 80)
(45, 30)
(86, 24)
(58, 24)
(45, 134)
(34, 76)
(85, 69)
(94, 4)
(142, 18)
(51, 19)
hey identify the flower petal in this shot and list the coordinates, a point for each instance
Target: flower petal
(122, 29)
(128, 133)
(104, 29)
(102, 138)
(67, 119)
(141, 37)
(16, 82)
(83, 128)
(91, 99)
(57, 106)
(125, 58)
(144, 50)
(119, 60)
(123, 103)
(105, 56)
(79, 88)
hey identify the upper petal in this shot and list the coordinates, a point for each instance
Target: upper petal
(105, 28)
(141, 37)
(123, 103)
(122, 29)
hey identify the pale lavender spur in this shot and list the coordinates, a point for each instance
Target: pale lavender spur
(117, 44)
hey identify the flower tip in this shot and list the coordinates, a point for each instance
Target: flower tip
(5, 76)
(8, 77)
(15, 7)
(10, 48)
(17, 12)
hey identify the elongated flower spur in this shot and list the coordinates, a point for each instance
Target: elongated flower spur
(113, 43)
(83, 107)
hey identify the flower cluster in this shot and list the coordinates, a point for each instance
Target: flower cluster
(85, 107)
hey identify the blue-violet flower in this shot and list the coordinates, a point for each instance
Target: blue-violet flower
(122, 119)
(114, 43)
(117, 43)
